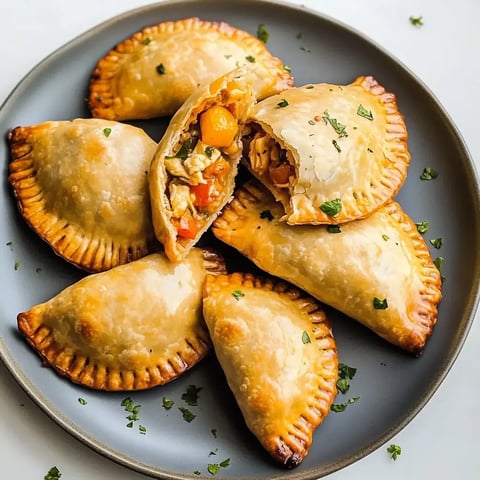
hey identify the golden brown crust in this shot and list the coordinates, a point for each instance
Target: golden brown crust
(126, 85)
(279, 356)
(84, 192)
(132, 328)
(346, 143)
(381, 256)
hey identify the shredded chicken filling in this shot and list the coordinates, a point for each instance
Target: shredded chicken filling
(269, 161)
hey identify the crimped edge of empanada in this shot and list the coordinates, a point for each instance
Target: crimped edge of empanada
(292, 446)
(102, 99)
(79, 248)
(71, 364)
(426, 314)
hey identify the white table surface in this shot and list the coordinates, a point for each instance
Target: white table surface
(442, 442)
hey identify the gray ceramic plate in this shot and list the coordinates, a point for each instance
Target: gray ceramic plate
(392, 386)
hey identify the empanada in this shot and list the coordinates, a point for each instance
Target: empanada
(377, 270)
(131, 328)
(193, 171)
(82, 186)
(329, 153)
(154, 71)
(276, 348)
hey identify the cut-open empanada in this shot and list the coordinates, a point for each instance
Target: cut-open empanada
(276, 348)
(329, 153)
(377, 270)
(82, 186)
(153, 72)
(192, 174)
(133, 327)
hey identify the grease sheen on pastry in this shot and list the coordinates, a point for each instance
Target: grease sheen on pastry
(329, 153)
(154, 71)
(276, 348)
(133, 327)
(193, 170)
(82, 187)
(377, 271)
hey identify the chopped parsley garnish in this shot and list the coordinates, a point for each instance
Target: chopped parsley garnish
(436, 242)
(337, 146)
(17, 265)
(184, 150)
(282, 104)
(333, 229)
(311, 122)
(339, 128)
(82, 401)
(146, 41)
(287, 68)
(208, 151)
(142, 429)
(345, 374)
(160, 69)
(428, 173)
(187, 415)
(385, 236)
(167, 404)
(190, 397)
(341, 407)
(422, 226)
(214, 468)
(262, 33)
(394, 451)
(438, 262)
(107, 131)
(8, 244)
(416, 21)
(306, 337)
(267, 214)
(331, 207)
(363, 112)
(380, 303)
(250, 58)
(237, 294)
(53, 474)
(132, 409)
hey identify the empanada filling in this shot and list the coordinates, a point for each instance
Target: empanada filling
(269, 161)
(198, 171)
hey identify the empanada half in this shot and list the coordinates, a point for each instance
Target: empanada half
(276, 348)
(377, 271)
(329, 153)
(193, 171)
(133, 327)
(82, 187)
(154, 71)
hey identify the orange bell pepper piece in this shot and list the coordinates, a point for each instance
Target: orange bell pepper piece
(218, 126)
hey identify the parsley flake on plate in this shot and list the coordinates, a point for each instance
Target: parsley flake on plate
(262, 33)
(345, 374)
(422, 226)
(107, 131)
(333, 229)
(429, 173)
(416, 21)
(190, 397)
(341, 407)
(167, 404)
(237, 294)
(187, 415)
(436, 242)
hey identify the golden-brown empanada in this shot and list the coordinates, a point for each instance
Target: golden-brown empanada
(154, 71)
(377, 270)
(329, 153)
(82, 186)
(277, 351)
(193, 172)
(131, 328)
